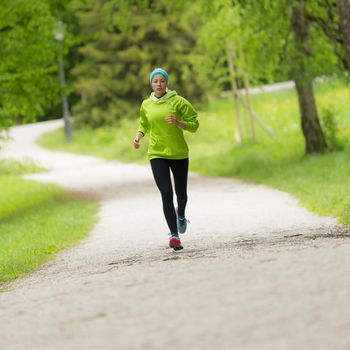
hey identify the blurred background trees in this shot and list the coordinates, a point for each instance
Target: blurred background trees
(118, 55)
(111, 46)
(28, 62)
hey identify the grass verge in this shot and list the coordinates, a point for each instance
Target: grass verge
(320, 182)
(36, 220)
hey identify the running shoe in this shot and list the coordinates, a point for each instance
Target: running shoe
(175, 243)
(181, 223)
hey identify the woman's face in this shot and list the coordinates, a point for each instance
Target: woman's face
(159, 84)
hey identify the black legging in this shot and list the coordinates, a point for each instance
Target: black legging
(161, 171)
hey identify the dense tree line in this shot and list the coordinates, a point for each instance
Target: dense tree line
(117, 56)
(110, 46)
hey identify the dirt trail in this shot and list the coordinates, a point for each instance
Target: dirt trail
(257, 271)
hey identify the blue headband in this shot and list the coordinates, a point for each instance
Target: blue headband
(158, 71)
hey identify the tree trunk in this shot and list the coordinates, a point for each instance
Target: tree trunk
(344, 12)
(314, 138)
(312, 131)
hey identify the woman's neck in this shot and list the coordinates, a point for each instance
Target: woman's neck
(160, 95)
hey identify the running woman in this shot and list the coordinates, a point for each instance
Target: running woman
(165, 115)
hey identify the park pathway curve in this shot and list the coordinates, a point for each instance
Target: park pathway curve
(257, 272)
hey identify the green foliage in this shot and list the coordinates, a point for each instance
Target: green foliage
(4, 136)
(330, 128)
(10, 166)
(276, 41)
(256, 32)
(63, 12)
(118, 55)
(261, 30)
(220, 28)
(325, 20)
(28, 65)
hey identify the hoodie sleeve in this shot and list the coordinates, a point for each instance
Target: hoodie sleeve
(188, 114)
(144, 123)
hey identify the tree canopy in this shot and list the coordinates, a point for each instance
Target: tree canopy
(28, 64)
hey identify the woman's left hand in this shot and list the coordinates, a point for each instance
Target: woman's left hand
(171, 119)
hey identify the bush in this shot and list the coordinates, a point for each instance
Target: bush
(330, 128)
(3, 137)
(15, 167)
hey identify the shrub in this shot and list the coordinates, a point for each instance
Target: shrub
(330, 128)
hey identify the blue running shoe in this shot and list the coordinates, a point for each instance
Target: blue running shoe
(181, 223)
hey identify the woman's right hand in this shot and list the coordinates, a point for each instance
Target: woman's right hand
(139, 135)
(136, 144)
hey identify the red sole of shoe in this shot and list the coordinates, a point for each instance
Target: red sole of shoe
(174, 242)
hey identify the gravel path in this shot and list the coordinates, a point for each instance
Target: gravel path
(257, 271)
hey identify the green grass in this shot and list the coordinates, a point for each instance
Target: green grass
(108, 143)
(9, 166)
(320, 182)
(36, 220)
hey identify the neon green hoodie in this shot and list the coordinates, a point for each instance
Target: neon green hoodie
(167, 140)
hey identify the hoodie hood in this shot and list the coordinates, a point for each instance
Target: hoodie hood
(169, 94)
